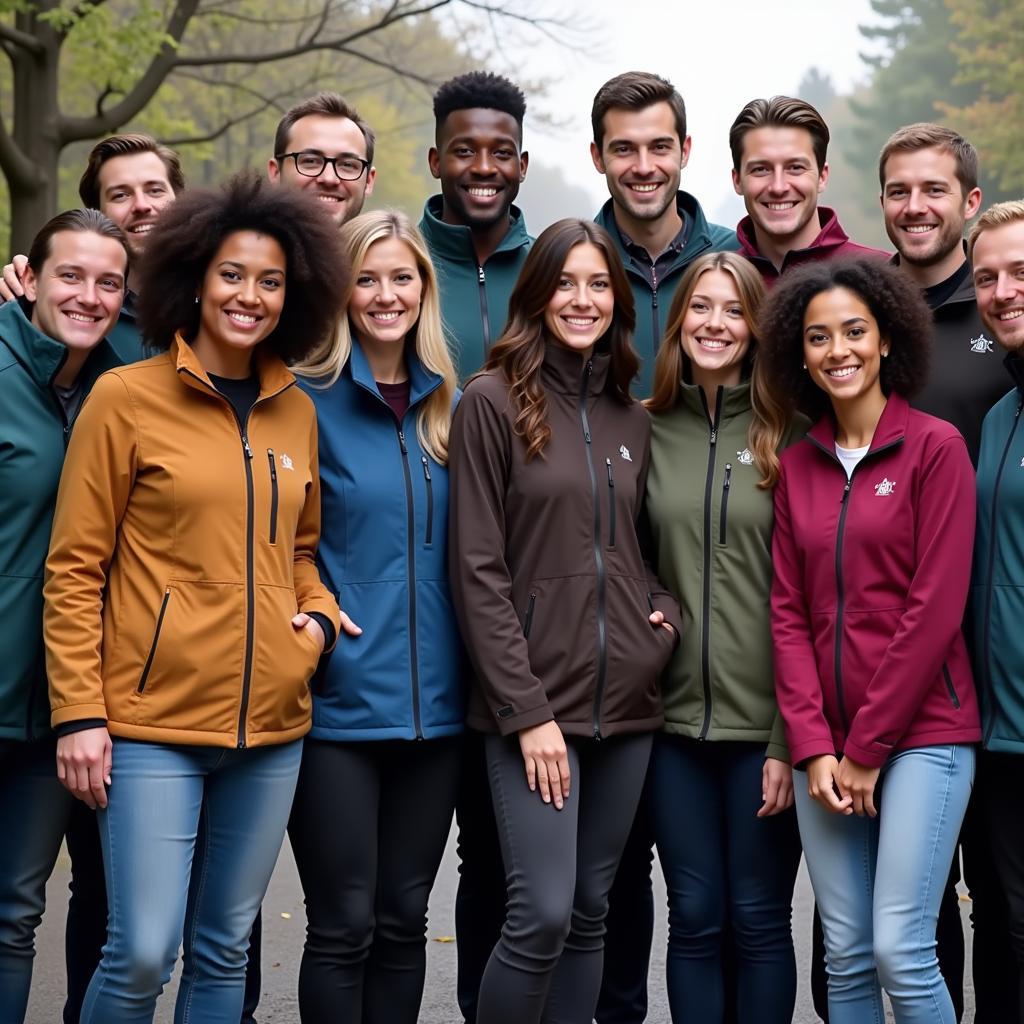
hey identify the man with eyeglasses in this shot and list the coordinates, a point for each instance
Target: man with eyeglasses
(324, 146)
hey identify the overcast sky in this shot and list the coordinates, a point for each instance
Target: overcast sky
(718, 53)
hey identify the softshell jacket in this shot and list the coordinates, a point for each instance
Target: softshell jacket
(997, 592)
(384, 553)
(871, 578)
(183, 544)
(966, 377)
(832, 243)
(474, 298)
(552, 593)
(712, 529)
(125, 335)
(653, 297)
(33, 437)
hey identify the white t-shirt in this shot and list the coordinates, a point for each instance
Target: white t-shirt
(849, 457)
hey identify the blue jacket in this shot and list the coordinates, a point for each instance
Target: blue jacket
(997, 592)
(384, 553)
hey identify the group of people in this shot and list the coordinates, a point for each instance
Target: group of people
(642, 532)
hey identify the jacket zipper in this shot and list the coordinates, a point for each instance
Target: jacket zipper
(726, 484)
(485, 319)
(991, 566)
(156, 640)
(273, 495)
(602, 633)
(950, 687)
(705, 629)
(655, 329)
(611, 504)
(528, 621)
(430, 499)
(410, 516)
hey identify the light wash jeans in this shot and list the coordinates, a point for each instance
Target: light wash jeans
(879, 882)
(149, 836)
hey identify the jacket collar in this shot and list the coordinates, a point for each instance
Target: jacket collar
(421, 380)
(565, 371)
(689, 210)
(891, 429)
(454, 242)
(964, 291)
(273, 374)
(732, 401)
(42, 356)
(831, 236)
(1015, 368)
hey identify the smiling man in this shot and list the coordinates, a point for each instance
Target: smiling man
(324, 147)
(779, 159)
(477, 238)
(641, 146)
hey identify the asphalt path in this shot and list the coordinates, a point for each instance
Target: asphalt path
(284, 927)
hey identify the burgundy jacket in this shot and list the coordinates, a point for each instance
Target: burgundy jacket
(871, 578)
(831, 243)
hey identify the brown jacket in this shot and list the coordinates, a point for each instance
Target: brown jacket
(550, 588)
(182, 546)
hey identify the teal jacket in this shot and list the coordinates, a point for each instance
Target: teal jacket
(33, 440)
(125, 337)
(712, 531)
(653, 297)
(474, 298)
(997, 586)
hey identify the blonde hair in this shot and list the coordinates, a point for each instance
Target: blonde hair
(994, 217)
(427, 337)
(770, 420)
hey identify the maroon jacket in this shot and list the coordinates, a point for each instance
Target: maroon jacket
(871, 579)
(549, 585)
(831, 243)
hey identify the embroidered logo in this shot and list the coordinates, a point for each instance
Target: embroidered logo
(745, 457)
(981, 344)
(624, 452)
(1022, 463)
(286, 462)
(885, 488)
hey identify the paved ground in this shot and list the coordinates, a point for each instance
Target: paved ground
(284, 926)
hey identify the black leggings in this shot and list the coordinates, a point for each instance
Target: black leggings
(368, 830)
(559, 868)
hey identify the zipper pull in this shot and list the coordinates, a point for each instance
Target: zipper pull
(846, 491)
(401, 441)
(480, 276)
(608, 464)
(728, 475)
(714, 436)
(245, 445)
(426, 468)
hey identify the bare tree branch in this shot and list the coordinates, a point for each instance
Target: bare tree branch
(23, 40)
(319, 26)
(18, 169)
(388, 66)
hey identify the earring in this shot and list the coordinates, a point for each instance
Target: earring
(197, 300)
(805, 366)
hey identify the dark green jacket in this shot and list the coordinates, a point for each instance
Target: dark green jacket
(712, 531)
(474, 299)
(653, 297)
(125, 337)
(33, 440)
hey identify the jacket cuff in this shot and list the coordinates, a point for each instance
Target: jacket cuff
(801, 753)
(328, 608)
(76, 713)
(330, 633)
(80, 725)
(510, 721)
(874, 757)
(778, 751)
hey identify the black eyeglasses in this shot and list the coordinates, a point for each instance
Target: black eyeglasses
(311, 165)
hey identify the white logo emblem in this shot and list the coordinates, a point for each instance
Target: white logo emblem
(745, 457)
(286, 461)
(1022, 463)
(624, 452)
(885, 488)
(981, 344)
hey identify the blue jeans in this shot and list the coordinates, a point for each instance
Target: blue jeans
(730, 878)
(879, 883)
(150, 851)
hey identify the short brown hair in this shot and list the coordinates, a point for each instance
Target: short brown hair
(636, 90)
(779, 112)
(994, 217)
(90, 220)
(924, 135)
(323, 104)
(126, 145)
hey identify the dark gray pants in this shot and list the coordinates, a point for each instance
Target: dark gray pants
(559, 866)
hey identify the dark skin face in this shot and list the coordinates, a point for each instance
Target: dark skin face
(480, 166)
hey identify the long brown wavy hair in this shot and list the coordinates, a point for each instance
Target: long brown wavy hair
(672, 366)
(519, 352)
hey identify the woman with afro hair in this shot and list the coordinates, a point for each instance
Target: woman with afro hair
(874, 523)
(184, 611)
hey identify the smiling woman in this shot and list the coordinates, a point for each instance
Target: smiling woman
(186, 526)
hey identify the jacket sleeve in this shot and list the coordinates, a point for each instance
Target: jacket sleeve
(934, 608)
(797, 684)
(310, 593)
(98, 476)
(479, 462)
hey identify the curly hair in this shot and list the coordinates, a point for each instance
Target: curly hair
(895, 302)
(479, 89)
(191, 231)
(519, 352)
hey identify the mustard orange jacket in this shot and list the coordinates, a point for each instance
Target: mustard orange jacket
(183, 543)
